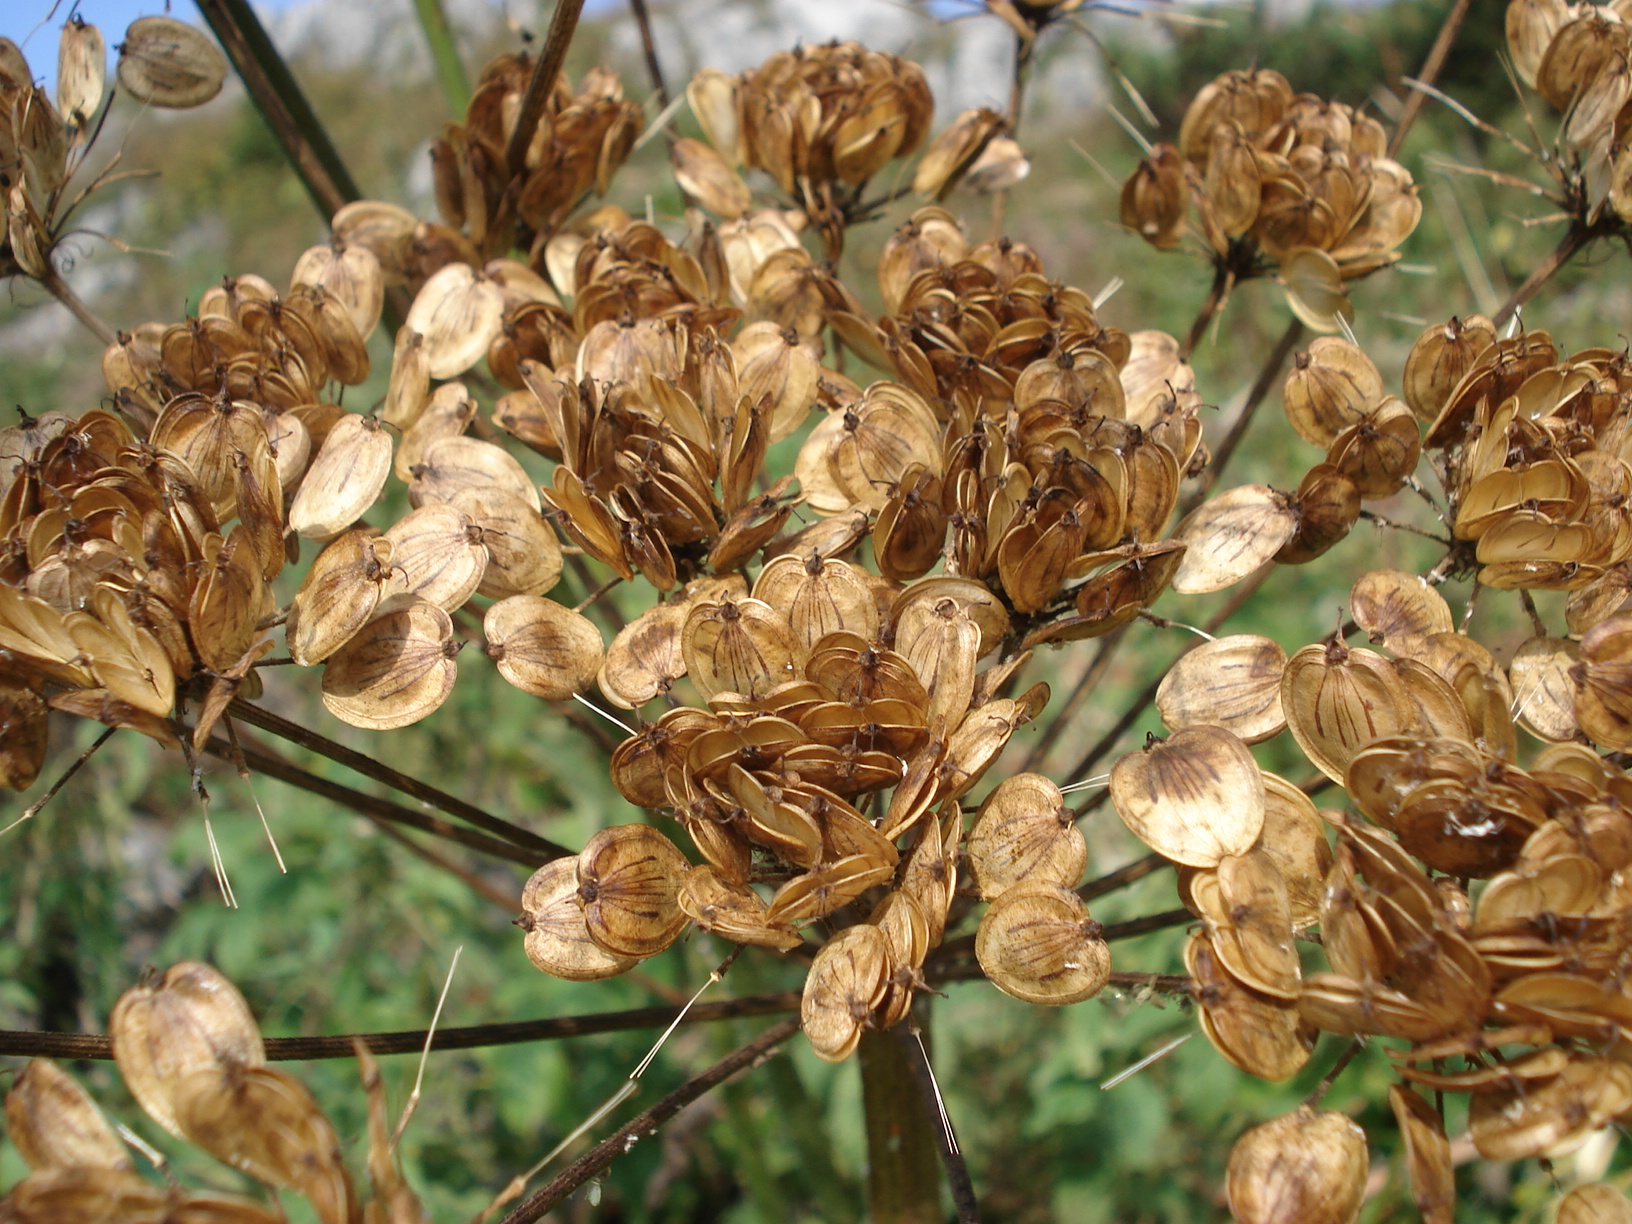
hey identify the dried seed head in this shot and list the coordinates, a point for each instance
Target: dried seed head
(1308, 1167)
(1193, 798)
(168, 63)
(191, 1019)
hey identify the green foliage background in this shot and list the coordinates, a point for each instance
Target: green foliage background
(358, 934)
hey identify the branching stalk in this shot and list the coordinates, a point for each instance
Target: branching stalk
(601, 1157)
(266, 720)
(563, 23)
(282, 104)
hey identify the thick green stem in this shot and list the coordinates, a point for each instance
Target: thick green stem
(450, 70)
(903, 1164)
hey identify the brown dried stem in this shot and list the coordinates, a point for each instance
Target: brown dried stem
(25, 1044)
(282, 104)
(1430, 70)
(1569, 246)
(563, 22)
(648, 50)
(266, 720)
(1209, 309)
(370, 806)
(1122, 876)
(58, 288)
(599, 1158)
(1267, 374)
(916, 1057)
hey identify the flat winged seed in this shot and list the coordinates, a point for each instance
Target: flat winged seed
(338, 596)
(191, 1018)
(628, 885)
(459, 313)
(1295, 837)
(1331, 386)
(1025, 834)
(435, 556)
(558, 939)
(1231, 682)
(1037, 943)
(645, 659)
(737, 646)
(82, 70)
(1337, 700)
(396, 671)
(1542, 687)
(1597, 1203)
(734, 911)
(344, 480)
(523, 555)
(1263, 1036)
(450, 466)
(1308, 1167)
(541, 647)
(264, 1122)
(1552, 1118)
(1229, 536)
(54, 1124)
(847, 980)
(165, 62)
(1193, 798)
(1398, 610)
(1427, 1156)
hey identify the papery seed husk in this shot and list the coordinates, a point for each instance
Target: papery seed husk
(1337, 699)
(344, 480)
(395, 671)
(1193, 798)
(524, 557)
(191, 1018)
(1231, 535)
(1427, 1155)
(54, 1124)
(450, 466)
(1025, 834)
(1294, 836)
(352, 274)
(24, 734)
(435, 556)
(76, 1195)
(1037, 943)
(447, 413)
(1308, 1167)
(1262, 1036)
(1540, 675)
(645, 659)
(1598, 1203)
(263, 1121)
(168, 63)
(628, 884)
(846, 981)
(1398, 610)
(82, 69)
(1514, 1123)
(542, 647)
(338, 597)
(740, 646)
(1232, 682)
(1331, 386)
(459, 313)
(558, 939)
(732, 910)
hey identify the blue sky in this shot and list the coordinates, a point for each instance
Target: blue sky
(33, 20)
